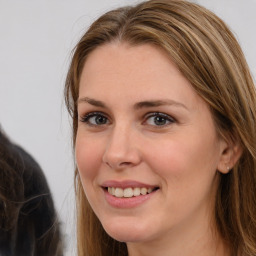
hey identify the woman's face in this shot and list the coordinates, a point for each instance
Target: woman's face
(146, 147)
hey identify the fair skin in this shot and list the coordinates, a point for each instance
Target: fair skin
(142, 125)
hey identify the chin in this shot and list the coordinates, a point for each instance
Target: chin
(126, 237)
(125, 231)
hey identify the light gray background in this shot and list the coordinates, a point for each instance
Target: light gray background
(36, 38)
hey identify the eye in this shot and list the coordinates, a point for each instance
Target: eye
(95, 119)
(158, 119)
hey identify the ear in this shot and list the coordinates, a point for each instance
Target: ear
(231, 151)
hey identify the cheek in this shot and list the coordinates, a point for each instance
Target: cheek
(88, 157)
(170, 157)
(187, 170)
(181, 160)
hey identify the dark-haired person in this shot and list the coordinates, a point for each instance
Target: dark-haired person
(28, 222)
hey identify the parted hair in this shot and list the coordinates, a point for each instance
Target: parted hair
(208, 55)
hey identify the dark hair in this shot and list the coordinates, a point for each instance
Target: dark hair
(28, 222)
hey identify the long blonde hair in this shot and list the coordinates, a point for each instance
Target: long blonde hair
(208, 55)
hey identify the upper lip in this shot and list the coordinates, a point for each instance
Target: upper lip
(126, 184)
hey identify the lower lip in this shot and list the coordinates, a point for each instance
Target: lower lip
(123, 202)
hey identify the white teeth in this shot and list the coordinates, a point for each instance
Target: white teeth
(143, 191)
(150, 190)
(128, 192)
(136, 191)
(119, 192)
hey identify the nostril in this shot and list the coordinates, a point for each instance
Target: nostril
(118, 165)
(121, 153)
(125, 163)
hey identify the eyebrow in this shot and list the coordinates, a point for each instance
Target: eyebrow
(93, 102)
(158, 103)
(139, 105)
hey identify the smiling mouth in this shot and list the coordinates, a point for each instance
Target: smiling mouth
(129, 192)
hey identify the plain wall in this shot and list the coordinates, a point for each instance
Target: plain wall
(36, 38)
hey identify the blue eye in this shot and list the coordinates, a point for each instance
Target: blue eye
(159, 119)
(95, 119)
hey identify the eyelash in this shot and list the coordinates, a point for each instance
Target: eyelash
(166, 118)
(86, 118)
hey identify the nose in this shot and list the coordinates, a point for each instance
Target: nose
(122, 149)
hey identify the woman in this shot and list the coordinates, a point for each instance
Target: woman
(28, 222)
(164, 117)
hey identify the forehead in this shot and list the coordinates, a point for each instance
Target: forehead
(133, 72)
(123, 59)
